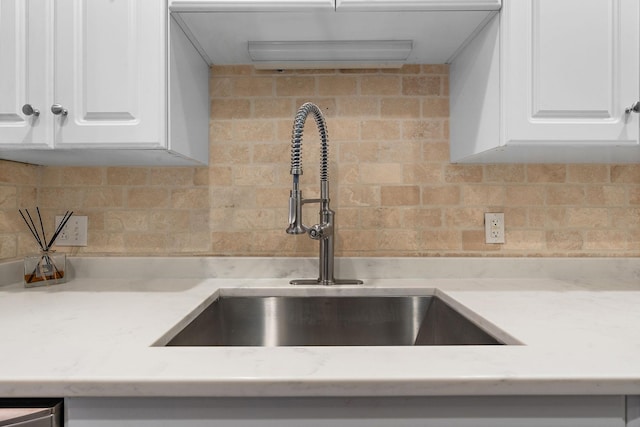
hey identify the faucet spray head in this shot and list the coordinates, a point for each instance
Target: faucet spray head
(295, 213)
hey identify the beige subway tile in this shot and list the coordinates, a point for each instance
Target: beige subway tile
(8, 246)
(400, 108)
(341, 85)
(608, 195)
(201, 176)
(103, 197)
(220, 131)
(399, 151)
(343, 130)
(254, 130)
(435, 151)
(255, 219)
(628, 218)
(83, 176)
(103, 242)
(483, 195)
(359, 195)
(525, 195)
(358, 106)
(380, 130)
(586, 218)
(380, 173)
(524, 240)
(607, 240)
(20, 173)
(147, 197)
(435, 69)
(435, 107)
(625, 174)
(27, 197)
(359, 151)
(464, 217)
(169, 220)
(422, 218)
(565, 195)
(444, 89)
(254, 175)
(231, 242)
(564, 240)
(230, 108)
(462, 173)
(399, 240)
(172, 176)
(8, 197)
(273, 242)
(126, 220)
(587, 173)
(199, 220)
(328, 106)
(547, 173)
(296, 86)
(350, 217)
(633, 242)
(441, 195)
(127, 176)
(474, 240)
(424, 85)
(232, 153)
(11, 221)
(231, 70)
(377, 218)
(145, 242)
(441, 240)
(361, 241)
(516, 217)
(64, 198)
(504, 173)
(634, 196)
(426, 130)
(220, 87)
(273, 108)
(380, 85)
(189, 243)
(272, 153)
(272, 197)
(422, 173)
(221, 175)
(190, 198)
(555, 217)
(346, 174)
(400, 195)
(253, 86)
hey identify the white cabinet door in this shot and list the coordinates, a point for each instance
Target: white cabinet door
(109, 73)
(548, 82)
(26, 72)
(571, 67)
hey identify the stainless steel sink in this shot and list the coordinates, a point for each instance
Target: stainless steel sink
(330, 321)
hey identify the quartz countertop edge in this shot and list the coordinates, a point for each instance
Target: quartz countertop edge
(576, 320)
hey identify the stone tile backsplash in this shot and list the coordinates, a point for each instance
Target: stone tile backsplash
(392, 185)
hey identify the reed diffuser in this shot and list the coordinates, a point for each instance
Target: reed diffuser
(47, 267)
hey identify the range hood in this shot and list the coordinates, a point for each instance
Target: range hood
(273, 34)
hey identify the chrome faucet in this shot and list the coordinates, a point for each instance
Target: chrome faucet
(324, 230)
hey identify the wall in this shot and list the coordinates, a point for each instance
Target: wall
(393, 189)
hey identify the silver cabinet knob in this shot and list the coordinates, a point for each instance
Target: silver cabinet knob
(28, 110)
(635, 108)
(57, 109)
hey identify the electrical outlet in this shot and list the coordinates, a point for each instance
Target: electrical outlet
(494, 227)
(74, 233)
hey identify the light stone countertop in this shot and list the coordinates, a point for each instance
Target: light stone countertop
(577, 319)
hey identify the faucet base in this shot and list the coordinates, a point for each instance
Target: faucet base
(326, 282)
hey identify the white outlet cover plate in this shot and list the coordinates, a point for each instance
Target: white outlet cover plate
(74, 233)
(494, 227)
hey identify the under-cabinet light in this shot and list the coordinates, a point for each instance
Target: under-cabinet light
(362, 53)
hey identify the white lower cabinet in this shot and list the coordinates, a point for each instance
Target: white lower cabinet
(550, 81)
(99, 83)
(506, 411)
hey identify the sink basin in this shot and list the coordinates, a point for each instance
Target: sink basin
(330, 321)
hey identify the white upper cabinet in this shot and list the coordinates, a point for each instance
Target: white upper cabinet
(549, 81)
(26, 73)
(98, 72)
(357, 31)
(107, 73)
